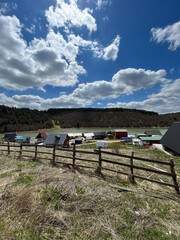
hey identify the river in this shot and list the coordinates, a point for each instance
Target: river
(131, 131)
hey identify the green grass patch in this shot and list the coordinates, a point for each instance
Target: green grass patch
(25, 178)
(52, 196)
(6, 174)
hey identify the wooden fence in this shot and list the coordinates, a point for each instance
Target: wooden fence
(100, 162)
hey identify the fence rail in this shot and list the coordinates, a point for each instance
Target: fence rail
(99, 161)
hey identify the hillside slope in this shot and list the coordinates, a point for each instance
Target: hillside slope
(24, 119)
(41, 202)
(116, 117)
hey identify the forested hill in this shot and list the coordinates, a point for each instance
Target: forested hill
(111, 117)
(24, 119)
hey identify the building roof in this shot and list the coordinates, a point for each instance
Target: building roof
(156, 138)
(10, 136)
(55, 139)
(89, 134)
(153, 132)
(42, 135)
(20, 138)
(171, 138)
(99, 133)
(74, 135)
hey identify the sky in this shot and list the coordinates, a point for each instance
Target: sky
(90, 53)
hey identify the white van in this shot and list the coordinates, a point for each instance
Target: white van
(137, 142)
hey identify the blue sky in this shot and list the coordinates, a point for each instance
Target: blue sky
(90, 53)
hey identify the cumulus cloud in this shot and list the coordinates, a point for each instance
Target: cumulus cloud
(50, 61)
(36, 102)
(65, 14)
(170, 34)
(125, 81)
(163, 102)
(43, 61)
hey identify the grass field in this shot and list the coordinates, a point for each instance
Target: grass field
(38, 201)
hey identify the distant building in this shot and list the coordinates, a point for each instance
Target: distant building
(74, 135)
(171, 139)
(138, 135)
(150, 133)
(148, 141)
(61, 140)
(10, 137)
(88, 136)
(100, 135)
(41, 136)
(21, 139)
(119, 133)
(110, 135)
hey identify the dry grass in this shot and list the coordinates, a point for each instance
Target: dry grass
(38, 201)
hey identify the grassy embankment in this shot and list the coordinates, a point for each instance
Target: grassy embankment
(40, 202)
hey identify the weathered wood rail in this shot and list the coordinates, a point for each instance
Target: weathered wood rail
(99, 162)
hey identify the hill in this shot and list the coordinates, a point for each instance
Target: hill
(24, 119)
(111, 117)
(41, 202)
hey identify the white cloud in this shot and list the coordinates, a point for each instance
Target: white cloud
(105, 18)
(102, 3)
(43, 61)
(6, 7)
(107, 53)
(170, 34)
(36, 102)
(32, 29)
(167, 100)
(65, 14)
(112, 50)
(50, 61)
(125, 81)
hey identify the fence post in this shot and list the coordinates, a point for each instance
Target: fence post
(35, 155)
(8, 148)
(20, 150)
(132, 180)
(174, 176)
(54, 155)
(98, 171)
(74, 155)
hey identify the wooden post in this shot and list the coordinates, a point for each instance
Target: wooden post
(132, 180)
(174, 176)
(35, 156)
(20, 150)
(100, 161)
(54, 155)
(74, 155)
(8, 148)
